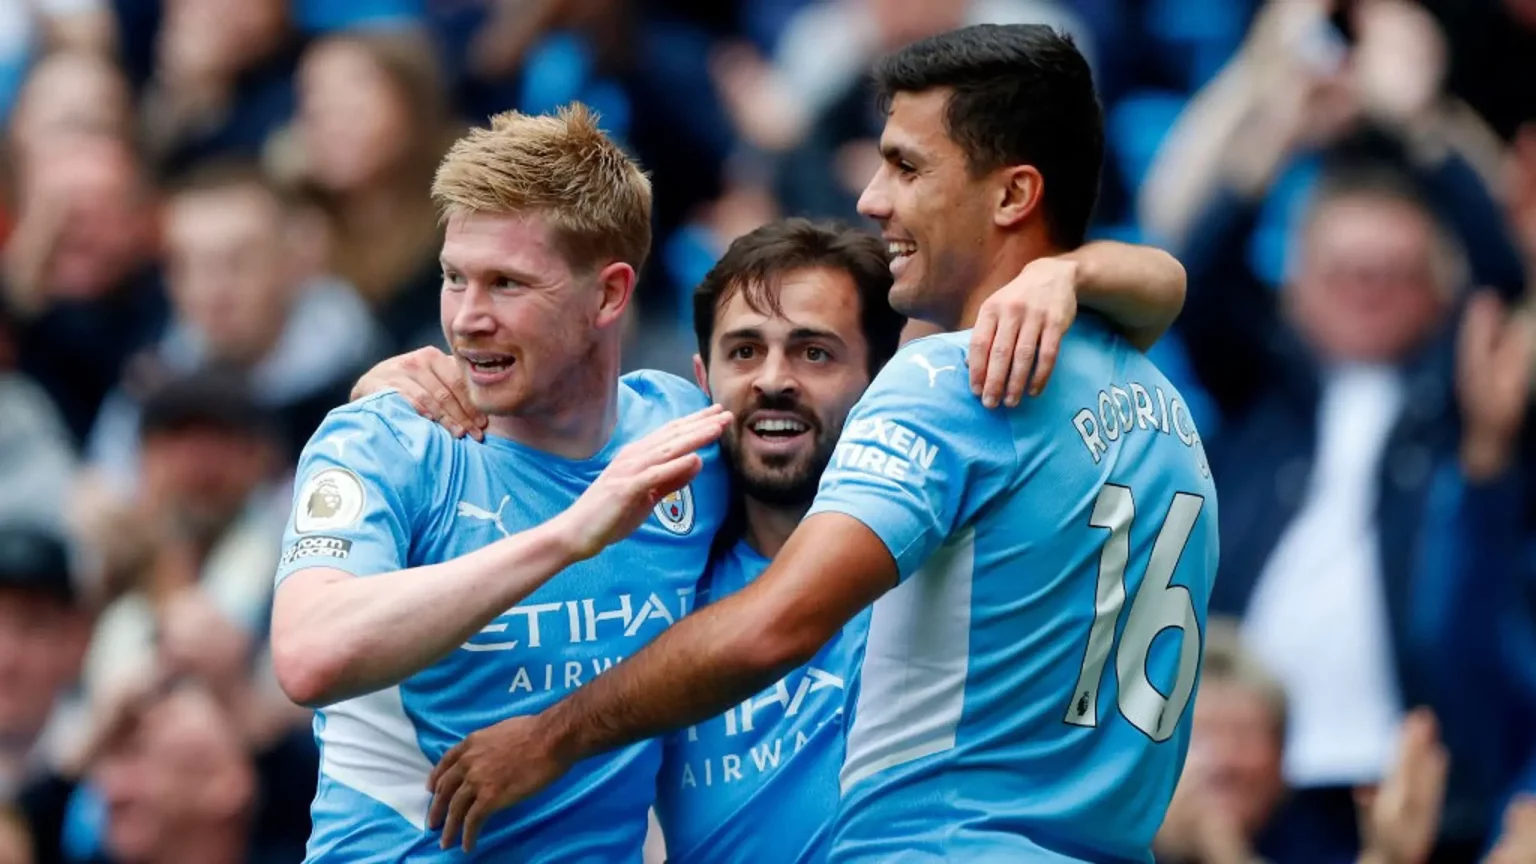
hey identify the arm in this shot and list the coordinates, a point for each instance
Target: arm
(831, 568)
(335, 635)
(1140, 289)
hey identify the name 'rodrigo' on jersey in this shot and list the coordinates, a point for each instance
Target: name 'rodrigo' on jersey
(382, 489)
(1025, 690)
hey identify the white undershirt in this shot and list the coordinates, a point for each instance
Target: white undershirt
(1318, 617)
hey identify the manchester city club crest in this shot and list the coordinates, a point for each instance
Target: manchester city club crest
(675, 511)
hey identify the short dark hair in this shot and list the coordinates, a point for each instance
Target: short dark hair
(756, 261)
(1022, 95)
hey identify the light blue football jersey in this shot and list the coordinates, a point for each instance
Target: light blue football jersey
(381, 489)
(1025, 691)
(759, 783)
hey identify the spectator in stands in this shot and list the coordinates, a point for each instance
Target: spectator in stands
(1343, 385)
(190, 556)
(44, 626)
(243, 297)
(80, 282)
(223, 80)
(372, 125)
(179, 785)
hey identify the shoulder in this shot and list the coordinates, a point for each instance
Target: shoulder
(667, 392)
(382, 423)
(931, 369)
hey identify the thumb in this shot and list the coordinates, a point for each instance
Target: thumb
(668, 477)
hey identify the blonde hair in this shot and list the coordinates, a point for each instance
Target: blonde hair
(562, 167)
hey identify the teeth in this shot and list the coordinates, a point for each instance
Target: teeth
(900, 247)
(778, 426)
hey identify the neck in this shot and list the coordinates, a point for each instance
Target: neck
(769, 527)
(576, 420)
(1006, 262)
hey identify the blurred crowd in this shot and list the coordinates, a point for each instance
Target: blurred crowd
(215, 217)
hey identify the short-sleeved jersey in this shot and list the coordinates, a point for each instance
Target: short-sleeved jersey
(381, 489)
(1025, 690)
(759, 783)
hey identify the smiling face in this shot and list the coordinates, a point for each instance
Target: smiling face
(521, 322)
(935, 217)
(790, 381)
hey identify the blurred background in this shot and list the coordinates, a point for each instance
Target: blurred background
(215, 217)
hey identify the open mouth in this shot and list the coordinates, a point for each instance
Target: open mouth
(901, 251)
(776, 433)
(487, 367)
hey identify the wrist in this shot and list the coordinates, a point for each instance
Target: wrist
(565, 538)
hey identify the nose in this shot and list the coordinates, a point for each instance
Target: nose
(874, 202)
(775, 378)
(472, 314)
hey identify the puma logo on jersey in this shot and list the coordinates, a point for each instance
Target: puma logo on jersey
(933, 372)
(480, 514)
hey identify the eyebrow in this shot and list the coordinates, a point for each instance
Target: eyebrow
(799, 334)
(898, 153)
(510, 274)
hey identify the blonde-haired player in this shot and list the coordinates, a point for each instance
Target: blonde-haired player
(412, 606)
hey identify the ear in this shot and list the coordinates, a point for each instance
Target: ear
(616, 284)
(1020, 195)
(701, 375)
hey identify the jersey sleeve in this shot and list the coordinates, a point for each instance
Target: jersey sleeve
(358, 488)
(919, 454)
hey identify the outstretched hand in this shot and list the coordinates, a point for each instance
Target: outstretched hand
(642, 473)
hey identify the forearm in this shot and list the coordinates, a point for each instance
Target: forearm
(338, 636)
(1139, 288)
(700, 667)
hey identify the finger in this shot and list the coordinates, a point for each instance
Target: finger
(421, 399)
(462, 800)
(449, 759)
(472, 821)
(442, 794)
(1045, 361)
(981, 346)
(693, 437)
(668, 477)
(1003, 355)
(711, 420)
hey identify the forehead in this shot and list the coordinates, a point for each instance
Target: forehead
(1354, 220)
(916, 123)
(820, 298)
(477, 241)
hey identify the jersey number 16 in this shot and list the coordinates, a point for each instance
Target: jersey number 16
(1156, 607)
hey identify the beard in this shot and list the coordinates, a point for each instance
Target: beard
(780, 480)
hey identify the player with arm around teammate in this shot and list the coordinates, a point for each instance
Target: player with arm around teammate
(792, 323)
(1041, 571)
(412, 607)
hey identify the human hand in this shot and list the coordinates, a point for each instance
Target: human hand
(1399, 61)
(1020, 328)
(489, 770)
(1493, 380)
(640, 475)
(1400, 818)
(430, 380)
